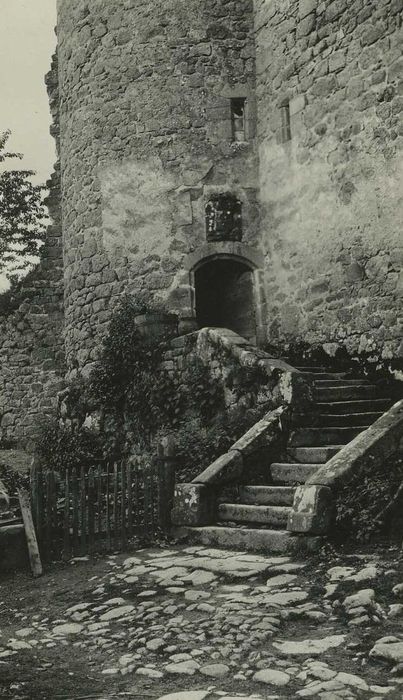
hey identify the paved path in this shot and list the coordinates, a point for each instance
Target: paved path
(201, 624)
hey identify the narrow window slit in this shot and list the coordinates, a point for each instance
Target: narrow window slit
(285, 123)
(238, 118)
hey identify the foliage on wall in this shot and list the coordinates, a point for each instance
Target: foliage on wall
(130, 401)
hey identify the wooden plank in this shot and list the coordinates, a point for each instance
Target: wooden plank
(146, 503)
(115, 505)
(108, 508)
(166, 480)
(83, 512)
(123, 531)
(50, 487)
(66, 520)
(99, 500)
(32, 543)
(129, 482)
(136, 497)
(75, 494)
(39, 505)
(91, 510)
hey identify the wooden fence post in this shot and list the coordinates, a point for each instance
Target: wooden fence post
(166, 480)
(32, 544)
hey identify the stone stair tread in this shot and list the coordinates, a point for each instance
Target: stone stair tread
(278, 495)
(291, 474)
(341, 382)
(250, 539)
(329, 394)
(324, 436)
(240, 512)
(349, 418)
(313, 455)
(354, 405)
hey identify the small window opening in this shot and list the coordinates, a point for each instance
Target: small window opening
(238, 118)
(285, 123)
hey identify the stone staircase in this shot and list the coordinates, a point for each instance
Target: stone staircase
(256, 516)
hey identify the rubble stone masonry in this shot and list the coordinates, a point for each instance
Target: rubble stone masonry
(145, 92)
(332, 196)
(145, 116)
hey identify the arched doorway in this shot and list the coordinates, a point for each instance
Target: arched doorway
(224, 292)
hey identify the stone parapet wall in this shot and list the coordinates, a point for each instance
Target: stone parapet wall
(227, 357)
(145, 133)
(331, 196)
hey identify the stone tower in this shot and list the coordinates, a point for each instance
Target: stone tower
(157, 146)
(238, 161)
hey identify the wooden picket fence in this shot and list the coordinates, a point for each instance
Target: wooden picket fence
(101, 508)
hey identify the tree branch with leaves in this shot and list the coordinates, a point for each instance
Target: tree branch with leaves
(23, 216)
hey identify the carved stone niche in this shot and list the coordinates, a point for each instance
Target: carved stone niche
(224, 218)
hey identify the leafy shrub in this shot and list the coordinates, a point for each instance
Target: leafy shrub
(361, 503)
(199, 443)
(63, 447)
(138, 402)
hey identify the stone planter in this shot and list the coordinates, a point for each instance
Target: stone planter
(157, 325)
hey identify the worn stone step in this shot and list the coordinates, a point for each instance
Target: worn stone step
(317, 437)
(358, 406)
(276, 516)
(267, 495)
(250, 539)
(313, 455)
(335, 420)
(340, 382)
(344, 392)
(286, 473)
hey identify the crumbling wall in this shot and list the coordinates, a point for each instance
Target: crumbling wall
(332, 195)
(146, 139)
(31, 327)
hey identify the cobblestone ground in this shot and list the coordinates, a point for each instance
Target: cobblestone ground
(194, 623)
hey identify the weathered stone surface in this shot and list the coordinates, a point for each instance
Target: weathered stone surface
(310, 647)
(193, 505)
(389, 648)
(272, 677)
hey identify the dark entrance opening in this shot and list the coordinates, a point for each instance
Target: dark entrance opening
(224, 296)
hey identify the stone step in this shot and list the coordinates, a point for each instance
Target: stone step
(267, 495)
(285, 473)
(344, 392)
(311, 369)
(250, 539)
(317, 437)
(334, 420)
(357, 406)
(276, 516)
(313, 455)
(340, 382)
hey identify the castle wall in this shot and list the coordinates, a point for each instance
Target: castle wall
(332, 196)
(145, 106)
(31, 327)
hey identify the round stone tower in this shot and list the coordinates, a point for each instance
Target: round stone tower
(157, 148)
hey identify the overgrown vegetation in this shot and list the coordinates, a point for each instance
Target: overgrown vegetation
(22, 217)
(371, 503)
(130, 402)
